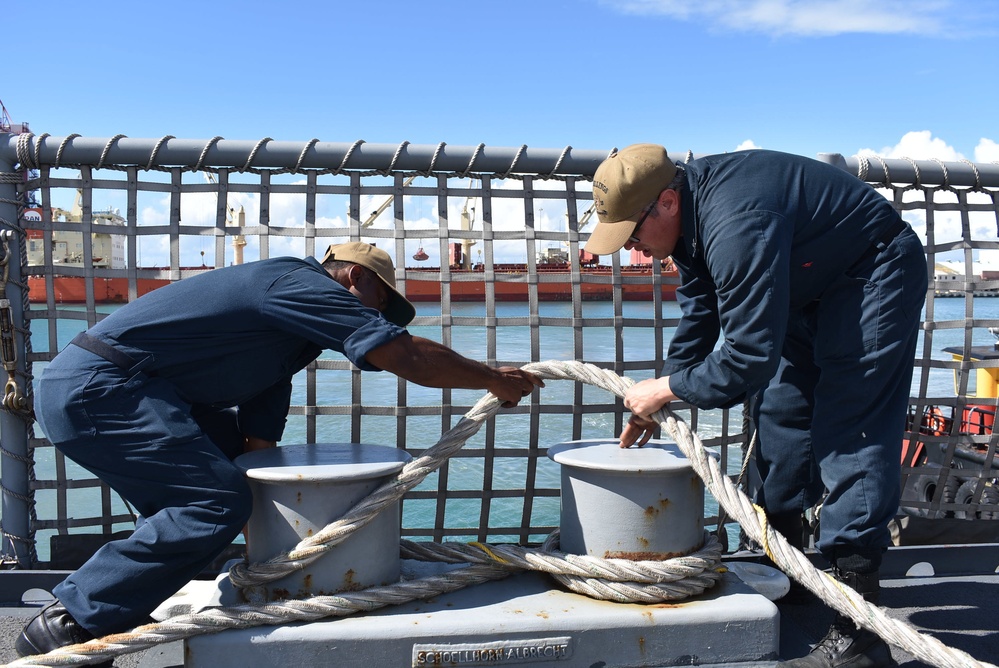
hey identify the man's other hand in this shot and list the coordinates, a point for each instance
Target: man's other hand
(637, 428)
(513, 384)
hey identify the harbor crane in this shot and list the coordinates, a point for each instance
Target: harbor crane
(384, 205)
(232, 217)
(6, 125)
(467, 221)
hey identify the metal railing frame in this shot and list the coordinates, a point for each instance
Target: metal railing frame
(25, 152)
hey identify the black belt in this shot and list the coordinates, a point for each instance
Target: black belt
(110, 353)
(881, 242)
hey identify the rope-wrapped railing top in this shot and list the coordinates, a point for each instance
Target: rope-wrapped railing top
(752, 519)
(929, 173)
(33, 151)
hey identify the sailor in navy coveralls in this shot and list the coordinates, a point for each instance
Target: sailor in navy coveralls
(815, 286)
(157, 398)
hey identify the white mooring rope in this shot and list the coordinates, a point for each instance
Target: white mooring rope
(606, 578)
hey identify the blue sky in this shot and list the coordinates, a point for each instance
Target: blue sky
(900, 77)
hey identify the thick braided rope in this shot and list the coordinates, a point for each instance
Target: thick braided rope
(685, 576)
(412, 474)
(618, 580)
(739, 507)
(729, 496)
(838, 596)
(215, 620)
(609, 579)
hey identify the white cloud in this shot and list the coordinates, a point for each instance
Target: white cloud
(747, 145)
(804, 17)
(948, 226)
(918, 145)
(986, 151)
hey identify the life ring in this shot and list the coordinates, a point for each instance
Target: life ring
(934, 422)
(767, 581)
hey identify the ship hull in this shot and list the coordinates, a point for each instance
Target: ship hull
(516, 284)
(73, 289)
(423, 285)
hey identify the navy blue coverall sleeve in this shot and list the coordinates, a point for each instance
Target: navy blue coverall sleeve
(699, 327)
(338, 321)
(741, 285)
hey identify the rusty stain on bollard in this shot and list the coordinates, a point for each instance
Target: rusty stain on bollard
(643, 556)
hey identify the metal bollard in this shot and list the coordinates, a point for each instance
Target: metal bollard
(299, 489)
(635, 503)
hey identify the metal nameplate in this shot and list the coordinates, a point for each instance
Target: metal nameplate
(500, 653)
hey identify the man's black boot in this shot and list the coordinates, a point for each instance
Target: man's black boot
(51, 628)
(845, 645)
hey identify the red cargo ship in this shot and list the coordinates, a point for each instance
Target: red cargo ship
(511, 283)
(551, 281)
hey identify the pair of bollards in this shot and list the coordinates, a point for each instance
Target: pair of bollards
(638, 503)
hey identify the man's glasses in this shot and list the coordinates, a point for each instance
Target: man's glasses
(633, 240)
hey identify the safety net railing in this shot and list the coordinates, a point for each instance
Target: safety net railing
(949, 462)
(487, 243)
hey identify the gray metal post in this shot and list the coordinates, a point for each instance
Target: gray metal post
(13, 430)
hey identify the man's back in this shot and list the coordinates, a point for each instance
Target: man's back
(225, 335)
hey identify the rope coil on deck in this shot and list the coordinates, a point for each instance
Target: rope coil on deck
(729, 496)
(618, 580)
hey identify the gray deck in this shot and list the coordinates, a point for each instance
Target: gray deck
(958, 604)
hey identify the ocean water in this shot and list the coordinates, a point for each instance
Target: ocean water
(600, 341)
